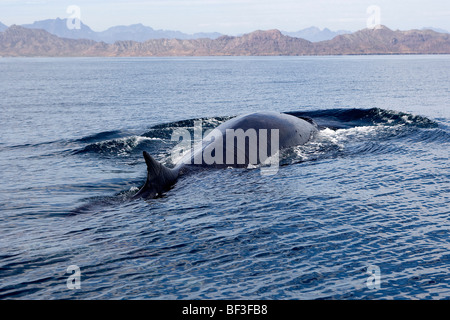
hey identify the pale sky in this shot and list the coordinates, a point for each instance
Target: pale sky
(234, 16)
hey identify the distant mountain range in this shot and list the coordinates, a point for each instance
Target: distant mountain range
(141, 33)
(3, 27)
(314, 34)
(435, 29)
(135, 32)
(20, 41)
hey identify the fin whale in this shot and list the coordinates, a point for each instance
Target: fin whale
(238, 142)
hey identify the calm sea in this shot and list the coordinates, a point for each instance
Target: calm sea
(361, 212)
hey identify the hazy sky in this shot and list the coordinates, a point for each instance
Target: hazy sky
(233, 16)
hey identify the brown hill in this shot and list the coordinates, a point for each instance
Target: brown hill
(19, 41)
(383, 40)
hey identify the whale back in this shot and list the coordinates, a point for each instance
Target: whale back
(250, 139)
(245, 140)
(293, 131)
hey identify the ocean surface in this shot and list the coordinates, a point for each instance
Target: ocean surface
(360, 212)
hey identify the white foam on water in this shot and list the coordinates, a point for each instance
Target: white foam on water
(123, 146)
(328, 142)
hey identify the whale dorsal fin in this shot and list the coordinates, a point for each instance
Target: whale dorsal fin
(159, 178)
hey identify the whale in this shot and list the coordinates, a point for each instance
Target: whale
(244, 141)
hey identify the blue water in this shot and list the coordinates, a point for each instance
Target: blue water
(372, 189)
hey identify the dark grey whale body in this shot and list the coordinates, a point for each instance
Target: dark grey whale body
(246, 140)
